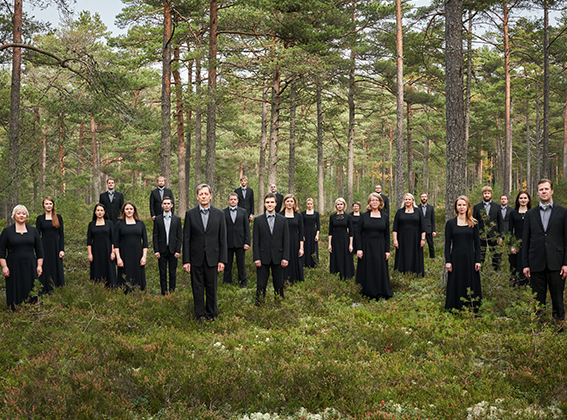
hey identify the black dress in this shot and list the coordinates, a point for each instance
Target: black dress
(21, 252)
(409, 255)
(294, 270)
(131, 240)
(373, 240)
(312, 224)
(53, 241)
(340, 228)
(516, 229)
(462, 250)
(355, 220)
(100, 238)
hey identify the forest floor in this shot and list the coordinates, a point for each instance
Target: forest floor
(325, 352)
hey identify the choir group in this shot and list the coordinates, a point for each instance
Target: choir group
(285, 241)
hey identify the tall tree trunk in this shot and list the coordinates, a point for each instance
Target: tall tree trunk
(564, 166)
(274, 127)
(426, 159)
(188, 132)
(210, 159)
(198, 125)
(61, 152)
(397, 199)
(44, 164)
(292, 108)
(469, 78)
(456, 152)
(96, 161)
(263, 148)
(528, 149)
(545, 172)
(350, 148)
(14, 135)
(409, 151)
(165, 153)
(507, 161)
(320, 161)
(182, 184)
(538, 174)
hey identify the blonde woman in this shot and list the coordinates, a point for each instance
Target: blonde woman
(462, 256)
(409, 238)
(312, 226)
(294, 270)
(341, 241)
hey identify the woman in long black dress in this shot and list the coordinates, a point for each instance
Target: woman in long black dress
(50, 228)
(131, 248)
(409, 238)
(100, 247)
(21, 257)
(462, 258)
(355, 216)
(373, 250)
(341, 241)
(516, 228)
(293, 272)
(312, 226)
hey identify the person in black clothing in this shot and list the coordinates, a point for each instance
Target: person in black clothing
(112, 201)
(246, 197)
(341, 237)
(516, 227)
(486, 215)
(428, 212)
(385, 199)
(312, 227)
(50, 228)
(279, 197)
(157, 195)
(167, 240)
(544, 250)
(100, 247)
(237, 240)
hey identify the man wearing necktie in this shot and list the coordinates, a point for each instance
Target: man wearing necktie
(246, 197)
(544, 250)
(204, 252)
(270, 248)
(157, 195)
(112, 201)
(167, 244)
(486, 213)
(237, 239)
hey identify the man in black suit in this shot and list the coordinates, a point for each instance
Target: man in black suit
(489, 210)
(270, 248)
(544, 249)
(167, 244)
(112, 200)
(204, 252)
(504, 215)
(237, 239)
(429, 220)
(157, 195)
(246, 197)
(279, 197)
(378, 189)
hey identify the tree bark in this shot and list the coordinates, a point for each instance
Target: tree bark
(198, 125)
(456, 152)
(320, 161)
(292, 109)
(545, 172)
(210, 159)
(274, 127)
(528, 149)
(182, 184)
(507, 161)
(411, 179)
(469, 79)
(397, 199)
(165, 152)
(14, 134)
(263, 148)
(350, 147)
(538, 174)
(96, 161)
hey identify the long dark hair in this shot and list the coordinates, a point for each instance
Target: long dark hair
(135, 215)
(94, 211)
(54, 218)
(517, 205)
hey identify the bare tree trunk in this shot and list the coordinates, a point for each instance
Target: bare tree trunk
(397, 199)
(198, 125)
(538, 174)
(507, 161)
(263, 148)
(469, 78)
(564, 170)
(320, 161)
(96, 161)
(528, 149)
(182, 184)
(14, 135)
(456, 152)
(165, 152)
(43, 164)
(545, 172)
(274, 128)
(409, 151)
(292, 108)
(426, 160)
(61, 152)
(188, 132)
(212, 98)
(350, 148)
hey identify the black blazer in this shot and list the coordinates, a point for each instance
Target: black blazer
(155, 201)
(386, 203)
(541, 249)
(429, 218)
(197, 243)
(175, 238)
(492, 223)
(504, 224)
(271, 248)
(248, 202)
(112, 209)
(237, 233)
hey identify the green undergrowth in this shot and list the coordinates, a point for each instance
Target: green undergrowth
(324, 352)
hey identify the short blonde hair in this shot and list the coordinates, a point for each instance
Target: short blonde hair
(18, 208)
(486, 188)
(380, 199)
(340, 200)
